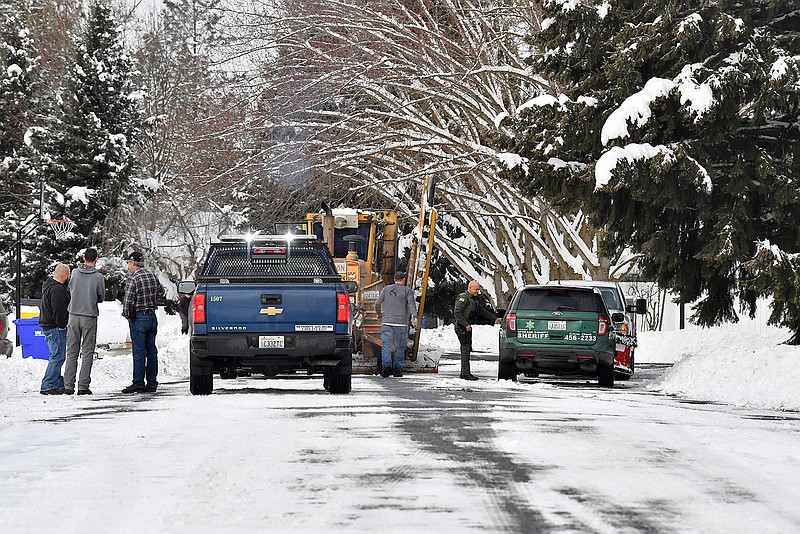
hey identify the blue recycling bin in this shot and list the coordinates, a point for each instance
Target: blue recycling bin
(32, 339)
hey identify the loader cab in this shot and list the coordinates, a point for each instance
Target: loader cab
(362, 243)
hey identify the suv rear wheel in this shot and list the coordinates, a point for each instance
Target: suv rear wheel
(507, 371)
(605, 376)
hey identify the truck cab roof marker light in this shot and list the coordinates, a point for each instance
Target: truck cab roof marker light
(241, 238)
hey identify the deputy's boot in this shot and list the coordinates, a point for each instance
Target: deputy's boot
(465, 372)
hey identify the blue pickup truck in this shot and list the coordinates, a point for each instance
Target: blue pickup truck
(269, 305)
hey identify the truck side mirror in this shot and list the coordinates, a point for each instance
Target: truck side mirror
(618, 317)
(187, 287)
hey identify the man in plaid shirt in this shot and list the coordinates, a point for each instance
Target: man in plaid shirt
(139, 307)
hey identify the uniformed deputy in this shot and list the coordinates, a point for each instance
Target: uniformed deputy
(466, 307)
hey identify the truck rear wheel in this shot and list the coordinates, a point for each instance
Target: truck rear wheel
(339, 383)
(200, 384)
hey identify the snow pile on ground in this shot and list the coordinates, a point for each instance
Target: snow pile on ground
(115, 369)
(754, 370)
(714, 365)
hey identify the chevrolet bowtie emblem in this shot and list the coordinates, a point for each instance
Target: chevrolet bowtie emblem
(272, 310)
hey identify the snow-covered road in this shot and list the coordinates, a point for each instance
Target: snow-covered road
(425, 452)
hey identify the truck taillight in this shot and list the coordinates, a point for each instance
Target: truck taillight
(199, 308)
(511, 322)
(342, 308)
(602, 326)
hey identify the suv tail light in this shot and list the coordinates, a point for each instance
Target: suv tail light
(342, 308)
(511, 322)
(602, 326)
(199, 308)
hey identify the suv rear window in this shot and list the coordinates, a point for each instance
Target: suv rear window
(612, 298)
(553, 299)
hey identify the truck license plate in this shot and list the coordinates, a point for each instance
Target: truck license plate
(556, 325)
(270, 342)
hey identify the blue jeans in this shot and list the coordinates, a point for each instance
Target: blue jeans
(145, 354)
(393, 338)
(56, 339)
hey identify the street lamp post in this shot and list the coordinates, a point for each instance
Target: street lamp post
(22, 234)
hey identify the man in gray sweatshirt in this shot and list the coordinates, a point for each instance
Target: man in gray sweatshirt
(398, 305)
(87, 288)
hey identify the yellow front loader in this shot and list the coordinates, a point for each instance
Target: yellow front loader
(363, 244)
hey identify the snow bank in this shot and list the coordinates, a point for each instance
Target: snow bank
(115, 369)
(714, 365)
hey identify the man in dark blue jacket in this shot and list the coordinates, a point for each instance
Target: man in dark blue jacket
(53, 321)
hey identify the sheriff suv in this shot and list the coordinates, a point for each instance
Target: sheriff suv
(625, 329)
(558, 330)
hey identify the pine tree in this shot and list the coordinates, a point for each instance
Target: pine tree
(18, 177)
(101, 122)
(675, 128)
(88, 155)
(17, 68)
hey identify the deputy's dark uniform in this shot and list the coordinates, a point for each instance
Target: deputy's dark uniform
(466, 309)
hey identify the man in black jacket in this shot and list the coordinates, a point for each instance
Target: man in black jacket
(53, 321)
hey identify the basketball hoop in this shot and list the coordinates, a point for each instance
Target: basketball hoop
(61, 227)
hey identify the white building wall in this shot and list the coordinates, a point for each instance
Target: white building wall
(671, 317)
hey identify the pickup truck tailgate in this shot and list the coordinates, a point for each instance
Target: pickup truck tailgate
(261, 308)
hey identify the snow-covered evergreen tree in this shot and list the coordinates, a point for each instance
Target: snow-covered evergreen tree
(17, 65)
(88, 154)
(675, 126)
(101, 122)
(18, 177)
